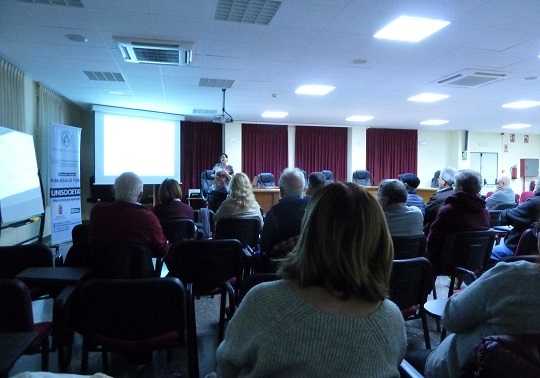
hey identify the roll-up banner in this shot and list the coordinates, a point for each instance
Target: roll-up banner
(64, 180)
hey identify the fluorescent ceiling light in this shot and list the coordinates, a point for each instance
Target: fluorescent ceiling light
(410, 29)
(274, 114)
(428, 97)
(521, 104)
(318, 90)
(434, 122)
(359, 118)
(516, 126)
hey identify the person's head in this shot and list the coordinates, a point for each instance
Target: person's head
(241, 190)
(345, 249)
(391, 191)
(468, 181)
(316, 181)
(503, 182)
(169, 191)
(410, 180)
(223, 158)
(128, 187)
(447, 177)
(437, 174)
(291, 182)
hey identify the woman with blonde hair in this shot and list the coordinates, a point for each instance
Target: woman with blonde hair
(329, 315)
(240, 202)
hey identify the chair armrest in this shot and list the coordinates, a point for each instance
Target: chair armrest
(406, 370)
(470, 273)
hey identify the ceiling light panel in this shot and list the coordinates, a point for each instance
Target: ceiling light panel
(524, 104)
(516, 126)
(410, 29)
(428, 97)
(359, 118)
(316, 90)
(271, 114)
(259, 12)
(434, 122)
(65, 3)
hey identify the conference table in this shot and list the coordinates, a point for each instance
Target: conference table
(268, 197)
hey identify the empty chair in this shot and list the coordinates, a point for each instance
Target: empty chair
(407, 247)
(79, 233)
(246, 230)
(410, 284)
(525, 196)
(206, 183)
(362, 177)
(16, 316)
(135, 316)
(265, 180)
(528, 243)
(329, 176)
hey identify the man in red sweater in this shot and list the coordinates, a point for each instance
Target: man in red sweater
(125, 220)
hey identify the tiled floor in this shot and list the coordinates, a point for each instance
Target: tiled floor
(207, 310)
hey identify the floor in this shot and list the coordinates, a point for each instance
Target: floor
(207, 310)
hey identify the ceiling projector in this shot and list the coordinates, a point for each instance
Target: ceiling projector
(222, 118)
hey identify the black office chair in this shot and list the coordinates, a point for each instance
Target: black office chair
(206, 183)
(329, 176)
(410, 284)
(100, 193)
(246, 230)
(178, 229)
(265, 180)
(407, 247)
(362, 177)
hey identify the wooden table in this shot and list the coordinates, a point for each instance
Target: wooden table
(267, 197)
(435, 309)
(12, 345)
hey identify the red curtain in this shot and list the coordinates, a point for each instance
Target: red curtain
(390, 152)
(264, 149)
(201, 144)
(319, 148)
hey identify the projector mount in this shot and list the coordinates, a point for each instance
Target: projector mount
(224, 117)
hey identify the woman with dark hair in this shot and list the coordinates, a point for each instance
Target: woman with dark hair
(171, 205)
(329, 315)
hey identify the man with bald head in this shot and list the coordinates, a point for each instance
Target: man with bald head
(503, 194)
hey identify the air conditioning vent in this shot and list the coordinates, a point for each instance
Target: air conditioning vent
(156, 52)
(471, 78)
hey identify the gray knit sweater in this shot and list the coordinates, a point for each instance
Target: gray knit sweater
(275, 333)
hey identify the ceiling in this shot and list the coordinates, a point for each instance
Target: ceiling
(306, 42)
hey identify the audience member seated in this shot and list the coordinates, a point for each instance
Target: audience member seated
(329, 315)
(402, 220)
(171, 205)
(446, 180)
(412, 182)
(317, 180)
(222, 175)
(502, 194)
(240, 202)
(464, 210)
(284, 219)
(490, 305)
(521, 218)
(125, 220)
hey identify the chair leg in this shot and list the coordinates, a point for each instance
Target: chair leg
(45, 355)
(426, 331)
(193, 354)
(105, 359)
(222, 306)
(84, 357)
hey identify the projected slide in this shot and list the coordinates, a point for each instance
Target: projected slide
(148, 146)
(20, 192)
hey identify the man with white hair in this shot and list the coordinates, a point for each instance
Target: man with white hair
(503, 194)
(446, 182)
(125, 220)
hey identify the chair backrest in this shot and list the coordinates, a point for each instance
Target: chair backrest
(525, 196)
(100, 193)
(329, 176)
(206, 264)
(133, 310)
(504, 206)
(79, 233)
(14, 259)
(504, 356)
(527, 244)
(246, 230)
(178, 229)
(362, 177)
(489, 194)
(120, 260)
(205, 217)
(253, 280)
(206, 183)
(306, 178)
(517, 196)
(15, 306)
(495, 218)
(407, 247)
(469, 249)
(265, 180)
(411, 282)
